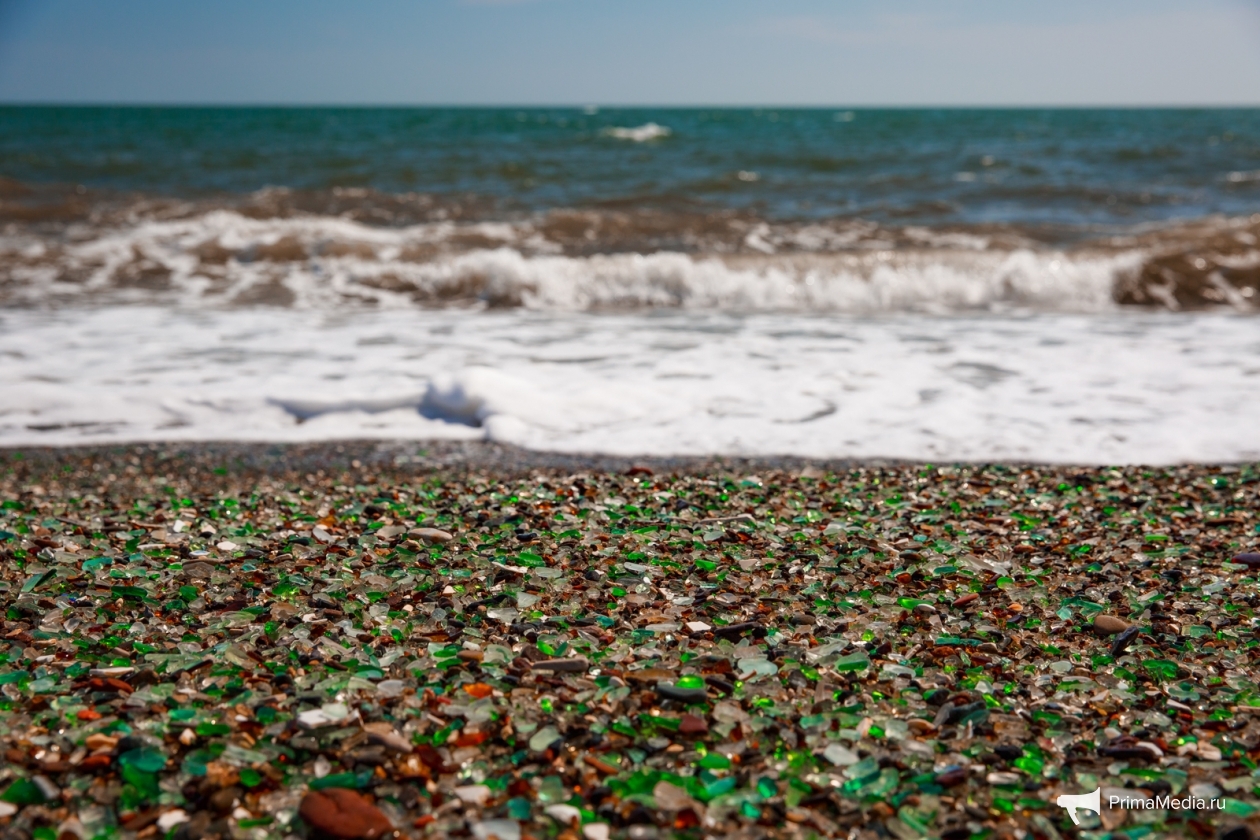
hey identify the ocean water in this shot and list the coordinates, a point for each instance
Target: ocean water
(931, 284)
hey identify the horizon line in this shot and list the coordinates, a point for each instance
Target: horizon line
(1172, 106)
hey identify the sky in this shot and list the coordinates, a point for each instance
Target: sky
(640, 52)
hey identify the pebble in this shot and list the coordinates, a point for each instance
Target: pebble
(497, 830)
(950, 714)
(383, 733)
(574, 665)
(1003, 777)
(693, 725)
(343, 814)
(564, 814)
(468, 649)
(720, 684)
(671, 797)
(1123, 641)
(431, 535)
(1249, 559)
(683, 695)
(650, 675)
(100, 741)
(1109, 625)
(473, 794)
(840, 755)
(109, 684)
(1127, 748)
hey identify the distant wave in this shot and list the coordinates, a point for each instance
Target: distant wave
(639, 134)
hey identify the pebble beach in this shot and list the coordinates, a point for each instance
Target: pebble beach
(362, 640)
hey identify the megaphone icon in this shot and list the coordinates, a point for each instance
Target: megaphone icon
(1088, 801)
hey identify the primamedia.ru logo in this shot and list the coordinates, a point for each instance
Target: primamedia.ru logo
(1165, 803)
(1093, 800)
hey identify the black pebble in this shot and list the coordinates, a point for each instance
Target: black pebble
(1125, 639)
(720, 684)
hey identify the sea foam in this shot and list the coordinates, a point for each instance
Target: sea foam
(1123, 387)
(222, 258)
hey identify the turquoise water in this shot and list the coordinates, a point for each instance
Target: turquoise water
(1052, 172)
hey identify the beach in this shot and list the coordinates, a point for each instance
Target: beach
(486, 640)
(628, 473)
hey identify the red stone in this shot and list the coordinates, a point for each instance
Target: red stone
(96, 762)
(479, 690)
(693, 725)
(109, 684)
(470, 739)
(432, 758)
(344, 815)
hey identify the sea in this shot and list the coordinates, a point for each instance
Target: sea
(1026, 285)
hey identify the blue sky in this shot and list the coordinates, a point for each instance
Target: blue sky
(609, 52)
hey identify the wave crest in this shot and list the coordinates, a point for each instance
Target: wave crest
(639, 133)
(225, 258)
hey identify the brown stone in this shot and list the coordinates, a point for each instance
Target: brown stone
(650, 675)
(344, 815)
(431, 535)
(384, 734)
(693, 725)
(1109, 625)
(226, 799)
(100, 741)
(576, 664)
(432, 758)
(109, 684)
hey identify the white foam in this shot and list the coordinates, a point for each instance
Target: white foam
(1102, 388)
(639, 133)
(332, 264)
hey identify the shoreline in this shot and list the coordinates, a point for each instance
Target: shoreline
(400, 457)
(390, 459)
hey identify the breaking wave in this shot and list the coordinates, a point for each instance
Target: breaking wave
(601, 260)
